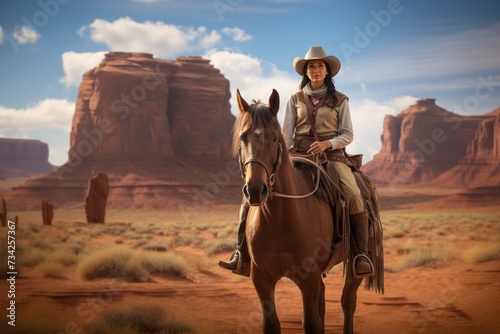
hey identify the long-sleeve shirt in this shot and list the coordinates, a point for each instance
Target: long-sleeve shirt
(334, 123)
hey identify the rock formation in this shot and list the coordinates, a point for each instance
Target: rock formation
(24, 156)
(159, 129)
(96, 198)
(426, 143)
(480, 167)
(47, 212)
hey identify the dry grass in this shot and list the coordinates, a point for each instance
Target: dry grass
(52, 269)
(439, 238)
(410, 238)
(130, 265)
(142, 318)
(483, 252)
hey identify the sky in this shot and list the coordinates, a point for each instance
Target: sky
(393, 52)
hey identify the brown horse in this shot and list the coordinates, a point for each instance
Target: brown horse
(289, 233)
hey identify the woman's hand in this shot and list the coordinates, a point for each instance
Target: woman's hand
(319, 146)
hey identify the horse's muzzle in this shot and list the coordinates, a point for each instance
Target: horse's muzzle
(256, 193)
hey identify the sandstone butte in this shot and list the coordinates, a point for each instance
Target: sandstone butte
(23, 156)
(160, 130)
(428, 145)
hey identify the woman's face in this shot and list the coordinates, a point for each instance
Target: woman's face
(316, 72)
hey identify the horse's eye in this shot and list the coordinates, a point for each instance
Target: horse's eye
(275, 140)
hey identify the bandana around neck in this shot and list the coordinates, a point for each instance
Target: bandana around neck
(318, 93)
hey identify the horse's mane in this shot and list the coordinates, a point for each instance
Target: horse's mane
(258, 116)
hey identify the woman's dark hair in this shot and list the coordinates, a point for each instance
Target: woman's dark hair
(329, 83)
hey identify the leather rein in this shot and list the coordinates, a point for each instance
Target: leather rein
(271, 176)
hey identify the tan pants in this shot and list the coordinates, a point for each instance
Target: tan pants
(350, 188)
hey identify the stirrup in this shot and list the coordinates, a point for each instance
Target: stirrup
(242, 268)
(368, 274)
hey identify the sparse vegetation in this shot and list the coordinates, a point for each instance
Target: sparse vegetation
(219, 246)
(149, 246)
(142, 318)
(482, 253)
(130, 265)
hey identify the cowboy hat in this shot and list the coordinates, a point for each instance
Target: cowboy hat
(317, 52)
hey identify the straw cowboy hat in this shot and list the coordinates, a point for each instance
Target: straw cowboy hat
(317, 52)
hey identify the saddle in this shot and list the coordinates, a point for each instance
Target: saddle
(331, 192)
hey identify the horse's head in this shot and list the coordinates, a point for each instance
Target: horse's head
(258, 145)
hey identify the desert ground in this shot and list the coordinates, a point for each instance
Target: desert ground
(156, 272)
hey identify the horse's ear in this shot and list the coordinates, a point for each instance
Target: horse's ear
(242, 104)
(274, 101)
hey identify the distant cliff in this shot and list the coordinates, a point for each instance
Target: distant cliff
(159, 128)
(426, 143)
(24, 156)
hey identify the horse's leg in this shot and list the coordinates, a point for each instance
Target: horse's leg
(313, 298)
(349, 299)
(265, 287)
(321, 305)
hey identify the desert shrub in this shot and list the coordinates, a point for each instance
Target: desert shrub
(77, 244)
(124, 263)
(52, 269)
(30, 257)
(112, 262)
(421, 256)
(226, 232)
(186, 239)
(394, 232)
(64, 256)
(155, 247)
(43, 242)
(164, 264)
(142, 318)
(482, 253)
(220, 246)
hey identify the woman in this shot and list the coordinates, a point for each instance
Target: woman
(317, 121)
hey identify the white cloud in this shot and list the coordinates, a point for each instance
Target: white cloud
(443, 57)
(48, 120)
(237, 34)
(1, 35)
(46, 114)
(368, 119)
(161, 39)
(253, 77)
(76, 64)
(209, 40)
(26, 35)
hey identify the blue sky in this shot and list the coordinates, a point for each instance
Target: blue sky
(392, 52)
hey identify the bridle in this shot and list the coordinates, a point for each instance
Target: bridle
(271, 176)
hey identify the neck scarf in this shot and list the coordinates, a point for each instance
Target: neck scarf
(318, 93)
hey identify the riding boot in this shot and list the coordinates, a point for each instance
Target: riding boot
(363, 267)
(239, 262)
